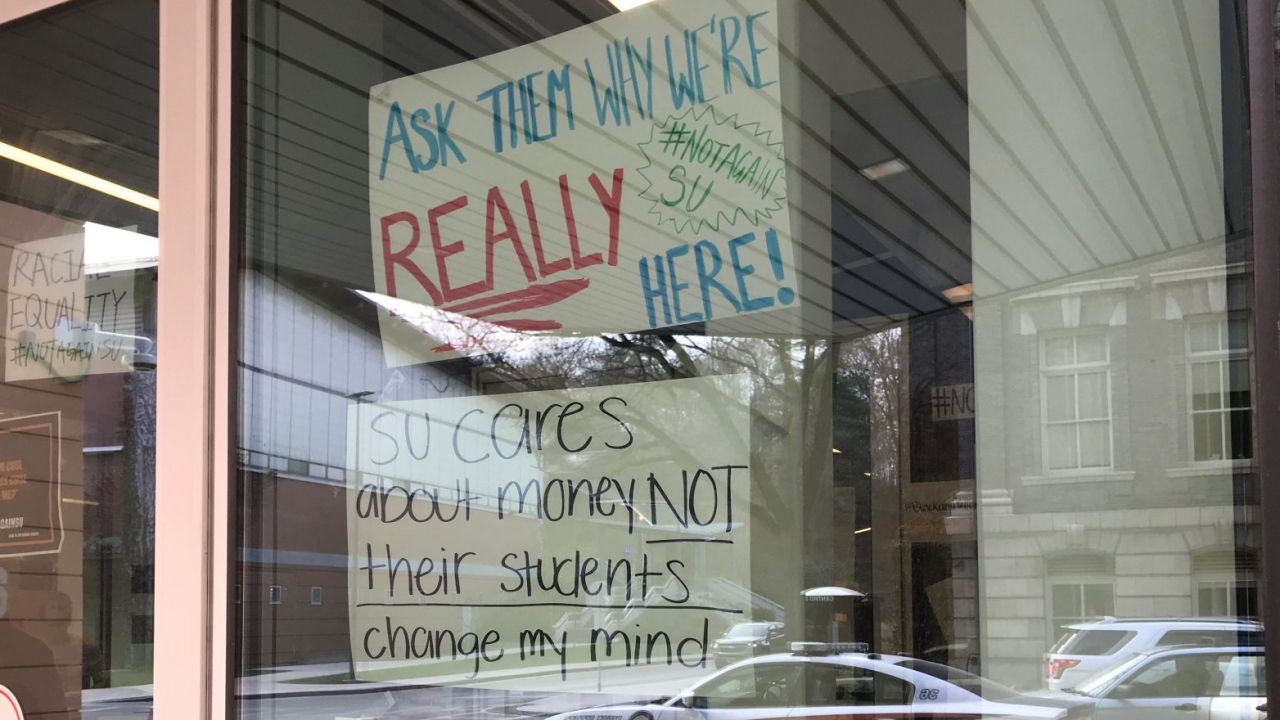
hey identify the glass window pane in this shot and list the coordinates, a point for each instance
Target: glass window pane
(79, 257)
(1211, 600)
(1099, 599)
(1205, 336)
(1059, 351)
(1206, 386)
(836, 685)
(1060, 397)
(1095, 444)
(530, 280)
(1241, 676)
(1097, 642)
(1207, 432)
(1240, 434)
(1062, 448)
(1068, 601)
(751, 687)
(1238, 334)
(1092, 390)
(1239, 383)
(1161, 679)
(1091, 348)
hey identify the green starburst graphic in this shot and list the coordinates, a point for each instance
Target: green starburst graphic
(706, 170)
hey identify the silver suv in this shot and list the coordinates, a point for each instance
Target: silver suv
(1191, 681)
(1091, 647)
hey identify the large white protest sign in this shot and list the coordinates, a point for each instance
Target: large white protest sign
(550, 532)
(61, 322)
(623, 176)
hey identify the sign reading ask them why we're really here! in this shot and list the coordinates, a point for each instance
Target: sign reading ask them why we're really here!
(623, 176)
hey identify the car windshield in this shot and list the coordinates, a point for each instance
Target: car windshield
(975, 684)
(1098, 684)
(747, 630)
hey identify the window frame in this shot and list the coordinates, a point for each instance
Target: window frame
(1074, 370)
(193, 591)
(1078, 581)
(1230, 584)
(1222, 358)
(198, 48)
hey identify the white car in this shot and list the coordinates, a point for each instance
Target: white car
(1091, 647)
(815, 681)
(1183, 683)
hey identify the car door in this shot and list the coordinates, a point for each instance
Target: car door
(755, 691)
(846, 690)
(1170, 687)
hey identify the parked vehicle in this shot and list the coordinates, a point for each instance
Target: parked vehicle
(746, 640)
(816, 680)
(1091, 647)
(1189, 682)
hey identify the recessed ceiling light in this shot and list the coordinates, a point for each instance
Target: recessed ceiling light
(882, 170)
(625, 5)
(959, 294)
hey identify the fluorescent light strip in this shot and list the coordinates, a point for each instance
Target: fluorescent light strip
(79, 177)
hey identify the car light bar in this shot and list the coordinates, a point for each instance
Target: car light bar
(823, 648)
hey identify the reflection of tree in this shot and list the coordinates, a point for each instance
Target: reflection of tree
(805, 394)
(877, 359)
(782, 384)
(780, 371)
(139, 487)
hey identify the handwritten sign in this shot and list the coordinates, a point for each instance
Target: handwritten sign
(552, 532)
(60, 322)
(625, 175)
(30, 485)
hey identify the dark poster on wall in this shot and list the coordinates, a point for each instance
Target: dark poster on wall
(30, 485)
(942, 400)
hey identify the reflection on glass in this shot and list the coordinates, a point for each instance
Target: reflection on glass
(78, 247)
(959, 295)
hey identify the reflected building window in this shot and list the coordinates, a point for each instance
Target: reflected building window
(1081, 588)
(1226, 582)
(1076, 392)
(1218, 376)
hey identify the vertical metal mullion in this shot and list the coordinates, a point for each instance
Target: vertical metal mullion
(228, 131)
(190, 358)
(1260, 49)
